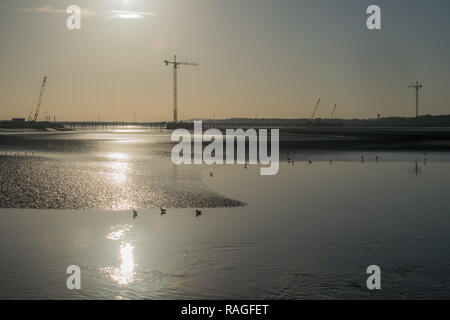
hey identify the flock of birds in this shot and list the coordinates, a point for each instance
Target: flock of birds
(331, 161)
(198, 212)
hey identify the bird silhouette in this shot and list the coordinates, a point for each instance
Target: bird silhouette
(163, 211)
(198, 213)
(135, 214)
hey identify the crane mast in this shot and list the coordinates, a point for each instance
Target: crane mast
(334, 110)
(417, 87)
(315, 109)
(175, 64)
(38, 106)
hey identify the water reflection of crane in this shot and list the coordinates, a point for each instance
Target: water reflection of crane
(417, 170)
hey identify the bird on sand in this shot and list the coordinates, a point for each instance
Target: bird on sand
(163, 211)
(198, 213)
(135, 214)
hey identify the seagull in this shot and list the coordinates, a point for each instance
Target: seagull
(163, 211)
(135, 214)
(198, 213)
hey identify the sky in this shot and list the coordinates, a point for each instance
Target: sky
(257, 58)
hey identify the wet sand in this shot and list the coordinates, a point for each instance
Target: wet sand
(98, 171)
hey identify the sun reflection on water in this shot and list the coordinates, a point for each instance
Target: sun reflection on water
(118, 167)
(117, 156)
(125, 274)
(118, 232)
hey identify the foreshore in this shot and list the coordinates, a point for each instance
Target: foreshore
(327, 138)
(31, 126)
(387, 138)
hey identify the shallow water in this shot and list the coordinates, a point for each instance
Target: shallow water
(309, 232)
(115, 171)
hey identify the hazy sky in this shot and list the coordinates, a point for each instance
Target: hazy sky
(264, 57)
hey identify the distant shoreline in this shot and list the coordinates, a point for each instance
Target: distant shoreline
(31, 126)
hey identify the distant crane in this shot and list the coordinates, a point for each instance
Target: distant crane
(417, 87)
(315, 109)
(332, 113)
(175, 67)
(38, 106)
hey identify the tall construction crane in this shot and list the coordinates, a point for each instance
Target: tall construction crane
(38, 106)
(315, 109)
(175, 68)
(332, 113)
(417, 86)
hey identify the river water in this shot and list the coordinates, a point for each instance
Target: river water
(308, 232)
